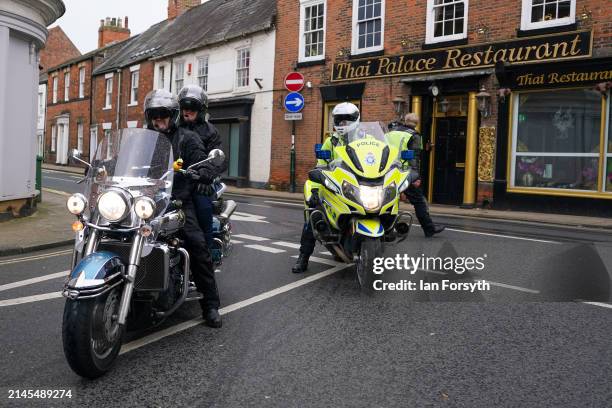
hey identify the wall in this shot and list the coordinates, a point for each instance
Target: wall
(58, 49)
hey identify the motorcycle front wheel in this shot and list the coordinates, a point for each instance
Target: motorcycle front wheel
(371, 248)
(91, 333)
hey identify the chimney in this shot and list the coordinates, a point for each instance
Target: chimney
(178, 7)
(112, 30)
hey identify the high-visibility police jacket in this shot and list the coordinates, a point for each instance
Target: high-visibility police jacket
(405, 138)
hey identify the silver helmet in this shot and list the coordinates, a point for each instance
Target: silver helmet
(160, 103)
(195, 99)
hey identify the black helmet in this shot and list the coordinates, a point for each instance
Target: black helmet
(194, 98)
(161, 104)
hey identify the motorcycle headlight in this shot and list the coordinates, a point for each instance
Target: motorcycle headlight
(371, 197)
(76, 204)
(144, 207)
(351, 192)
(112, 206)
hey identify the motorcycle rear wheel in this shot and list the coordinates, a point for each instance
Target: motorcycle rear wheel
(91, 334)
(371, 248)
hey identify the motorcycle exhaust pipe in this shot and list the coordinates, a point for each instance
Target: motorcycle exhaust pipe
(402, 228)
(229, 207)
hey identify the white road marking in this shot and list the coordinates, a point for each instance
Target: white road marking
(257, 205)
(266, 249)
(228, 309)
(504, 236)
(60, 179)
(287, 244)
(323, 261)
(235, 241)
(251, 237)
(246, 217)
(35, 257)
(606, 305)
(49, 190)
(33, 280)
(285, 203)
(326, 253)
(30, 299)
(68, 174)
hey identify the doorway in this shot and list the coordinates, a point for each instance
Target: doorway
(447, 160)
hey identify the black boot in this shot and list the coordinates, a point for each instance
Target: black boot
(212, 318)
(436, 230)
(301, 264)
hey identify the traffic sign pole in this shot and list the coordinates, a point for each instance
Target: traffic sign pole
(292, 160)
(294, 102)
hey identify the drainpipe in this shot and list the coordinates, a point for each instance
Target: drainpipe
(118, 99)
(171, 69)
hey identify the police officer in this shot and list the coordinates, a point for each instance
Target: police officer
(161, 114)
(193, 102)
(346, 121)
(411, 140)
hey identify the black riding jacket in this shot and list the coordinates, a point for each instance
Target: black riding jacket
(211, 140)
(187, 146)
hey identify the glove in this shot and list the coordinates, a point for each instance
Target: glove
(192, 174)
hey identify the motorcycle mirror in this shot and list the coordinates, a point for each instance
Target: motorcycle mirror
(216, 156)
(75, 155)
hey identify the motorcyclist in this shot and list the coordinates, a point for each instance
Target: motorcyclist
(193, 102)
(407, 138)
(346, 121)
(161, 114)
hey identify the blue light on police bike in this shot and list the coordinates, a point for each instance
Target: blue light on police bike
(407, 154)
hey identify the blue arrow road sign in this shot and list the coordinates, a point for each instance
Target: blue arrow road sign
(294, 102)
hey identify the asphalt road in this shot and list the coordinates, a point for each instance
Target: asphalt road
(538, 337)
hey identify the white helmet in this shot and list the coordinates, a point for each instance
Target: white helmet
(346, 118)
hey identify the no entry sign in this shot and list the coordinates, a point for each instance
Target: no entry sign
(294, 81)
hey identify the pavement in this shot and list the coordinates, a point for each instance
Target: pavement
(50, 226)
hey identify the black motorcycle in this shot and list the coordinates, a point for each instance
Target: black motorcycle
(129, 266)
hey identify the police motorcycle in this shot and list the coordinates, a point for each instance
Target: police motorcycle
(128, 264)
(352, 203)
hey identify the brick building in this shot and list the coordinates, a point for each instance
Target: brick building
(198, 42)
(513, 96)
(59, 48)
(69, 98)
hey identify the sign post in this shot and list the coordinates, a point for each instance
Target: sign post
(294, 103)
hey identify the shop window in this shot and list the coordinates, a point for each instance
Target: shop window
(179, 76)
(547, 13)
(312, 30)
(608, 130)
(556, 140)
(243, 62)
(368, 25)
(446, 20)
(230, 144)
(203, 73)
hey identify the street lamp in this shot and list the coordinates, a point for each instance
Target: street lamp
(484, 102)
(398, 104)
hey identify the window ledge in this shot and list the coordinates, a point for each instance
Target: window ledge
(107, 108)
(133, 104)
(311, 63)
(546, 30)
(369, 54)
(444, 44)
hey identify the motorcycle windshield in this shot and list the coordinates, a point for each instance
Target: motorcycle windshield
(136, 160)
(374, 130)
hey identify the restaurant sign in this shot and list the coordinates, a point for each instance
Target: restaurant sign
(557, 47)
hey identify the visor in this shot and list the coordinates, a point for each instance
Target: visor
(158, 113)
(191, 105)
(343, 120)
